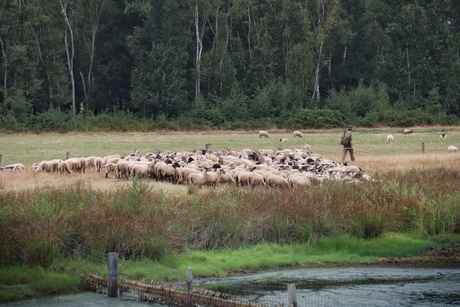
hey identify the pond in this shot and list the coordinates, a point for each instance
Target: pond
(341, 286)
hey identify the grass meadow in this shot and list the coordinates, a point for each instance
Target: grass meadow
(46, 219)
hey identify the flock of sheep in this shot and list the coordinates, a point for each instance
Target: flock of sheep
(283, 168)
(286, 168)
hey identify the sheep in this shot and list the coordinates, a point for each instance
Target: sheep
(139, 170)
(263, 134)
(443, 136)
(14, 167)
(297, 134)
(64, 167)
(109, 168)
(211, 178)
(283, 140)
(195, 179)
(390, 139)
(452, 149)
(277, 181)
(407, 131)
(307, 148)
(98, 162)
(226, 177)
(256, 180)
(297, 181)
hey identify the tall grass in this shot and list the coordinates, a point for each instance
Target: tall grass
(139, 222)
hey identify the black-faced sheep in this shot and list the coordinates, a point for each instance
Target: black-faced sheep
(390, 139)
(263, 134)
(283, 140)
(452, 149)
(443, 136)
(297, 134)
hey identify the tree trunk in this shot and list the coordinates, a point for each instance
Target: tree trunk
(70, 53)
(5, 72)
(199, 50)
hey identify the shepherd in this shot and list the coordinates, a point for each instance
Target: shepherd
(347, 142)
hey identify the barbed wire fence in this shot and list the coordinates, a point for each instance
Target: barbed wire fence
(188, 293)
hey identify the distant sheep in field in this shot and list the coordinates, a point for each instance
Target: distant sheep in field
(390, 139)
(264, 134)
(283, 140)
(443, 136)
(451, 149)
(297, 134)
(407, 131)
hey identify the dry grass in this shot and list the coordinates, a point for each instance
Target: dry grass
(373, 155)
(373, 165)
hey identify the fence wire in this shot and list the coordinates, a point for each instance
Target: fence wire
(175, 294)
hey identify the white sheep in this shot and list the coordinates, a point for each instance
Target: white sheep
(451, 149)
(390, 139)
(283, 140)
(407, 131)
(264, 134)
(14, 167)
(297, 134)
(443, 136)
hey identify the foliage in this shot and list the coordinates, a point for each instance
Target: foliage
(159, 59)
(320, 118)
(140, 222)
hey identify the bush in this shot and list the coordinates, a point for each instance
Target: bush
(315, 119)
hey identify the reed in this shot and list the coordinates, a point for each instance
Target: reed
(137, 221)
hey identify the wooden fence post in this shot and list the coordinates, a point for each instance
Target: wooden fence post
(1, 157)
(67, 155)
(189, 286)
(292, 296)
(208, 148)
(112, 282)
(423, 147)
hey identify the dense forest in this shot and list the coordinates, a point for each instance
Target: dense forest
(230, 63)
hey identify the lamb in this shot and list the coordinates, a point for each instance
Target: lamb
(452, 149)
(297, 134)
(109, 168)
(407, 131)
(283, 140)
(263, 134)
(390, 139)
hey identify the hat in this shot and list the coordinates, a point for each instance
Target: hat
(349, 127)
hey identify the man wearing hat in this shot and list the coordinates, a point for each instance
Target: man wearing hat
(349, 147)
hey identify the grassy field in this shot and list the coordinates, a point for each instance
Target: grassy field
(179, 227)
(372, 153)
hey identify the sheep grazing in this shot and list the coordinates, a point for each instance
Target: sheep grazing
(443, 136)
(14, 167)
(390, 139)
(297, 134)
(407, 131)
(283, 140)
(451, 149)
(264, 134)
